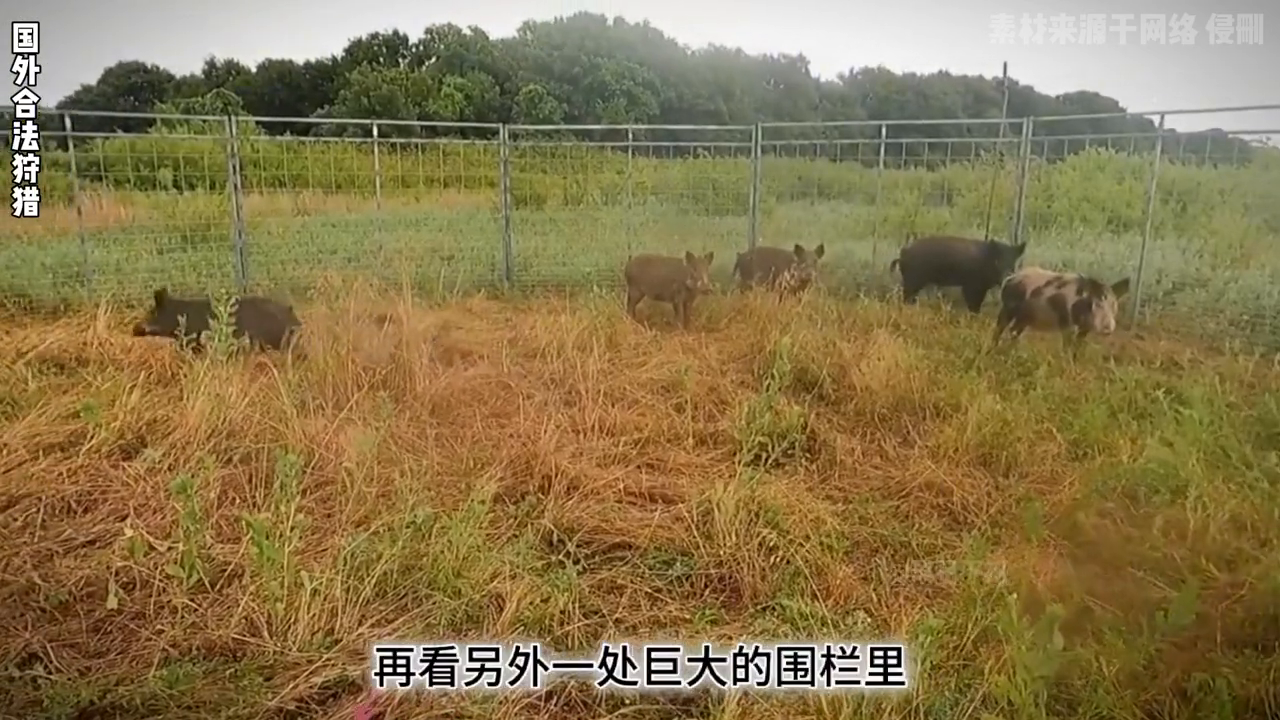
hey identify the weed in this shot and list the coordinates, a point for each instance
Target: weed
(190, 565)
(772, 429)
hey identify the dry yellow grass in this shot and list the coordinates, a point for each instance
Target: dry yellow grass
(547, 468)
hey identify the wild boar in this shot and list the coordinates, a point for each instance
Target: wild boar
(265, 322)
(668, 279)
(1041, 299)
(787, 270)
(975, 266)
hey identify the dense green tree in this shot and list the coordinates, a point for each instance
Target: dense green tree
(535, 106)
(128, 86)
(384, 50)
(227, 73)
(588, 69)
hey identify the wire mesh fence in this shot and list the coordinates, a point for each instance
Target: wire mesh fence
(389, 201)
(201, 203)
(861, 189)
(581, 206)
(1192, 218)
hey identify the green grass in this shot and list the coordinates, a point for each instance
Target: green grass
(1054, 538)
(157, 212)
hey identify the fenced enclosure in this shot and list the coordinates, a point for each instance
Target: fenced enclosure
(203, 203)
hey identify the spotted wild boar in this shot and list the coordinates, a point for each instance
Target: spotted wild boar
(1038, 299)
(265, 322)
(974, 266)
(663, 278)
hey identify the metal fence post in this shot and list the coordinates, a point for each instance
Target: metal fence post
(875, 223)
(504, 168)
(85, 258)
(631, 219)
(631, 139)
(753, 221)
(1024, 174)
(995, 171)
(380, 230)
(1146, 230)
(377, 170)
(235, 187)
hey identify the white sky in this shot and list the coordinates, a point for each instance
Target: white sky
(80, 38)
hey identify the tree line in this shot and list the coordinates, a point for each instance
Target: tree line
(589, 69)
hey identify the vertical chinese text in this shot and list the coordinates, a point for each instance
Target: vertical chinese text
(24, 142)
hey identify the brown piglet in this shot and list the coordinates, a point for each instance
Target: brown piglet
(668, 279)
(790, 271)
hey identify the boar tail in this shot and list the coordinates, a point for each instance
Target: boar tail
(893, 266)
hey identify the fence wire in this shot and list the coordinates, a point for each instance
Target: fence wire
(581, 207)
(203, 203)
(862, 189)
(378, 200)
(1192, 219)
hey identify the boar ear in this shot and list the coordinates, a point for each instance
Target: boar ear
(799, 251)
(711, 255)
(690, 258)
(819, 251)
(1021, 247)
(1121, 288)
(160, 296)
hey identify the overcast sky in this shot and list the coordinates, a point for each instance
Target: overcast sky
(79, 39)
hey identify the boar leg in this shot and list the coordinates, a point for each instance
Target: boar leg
(633, 299)
(681, 306)
(910, 289)
(974, 296)
(1003, 321)
(1074, 340)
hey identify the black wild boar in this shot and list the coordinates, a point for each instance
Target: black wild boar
(668, 279)
(266, 322)
(975, 266)
(789, 270)
(1045, 300)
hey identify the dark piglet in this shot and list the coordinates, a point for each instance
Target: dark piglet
(265, 322)
(1038, 299)
(791, 270)
(974, 266)
(668, 279)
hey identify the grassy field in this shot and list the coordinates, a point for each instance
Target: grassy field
(156, 211)
(223, 538)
